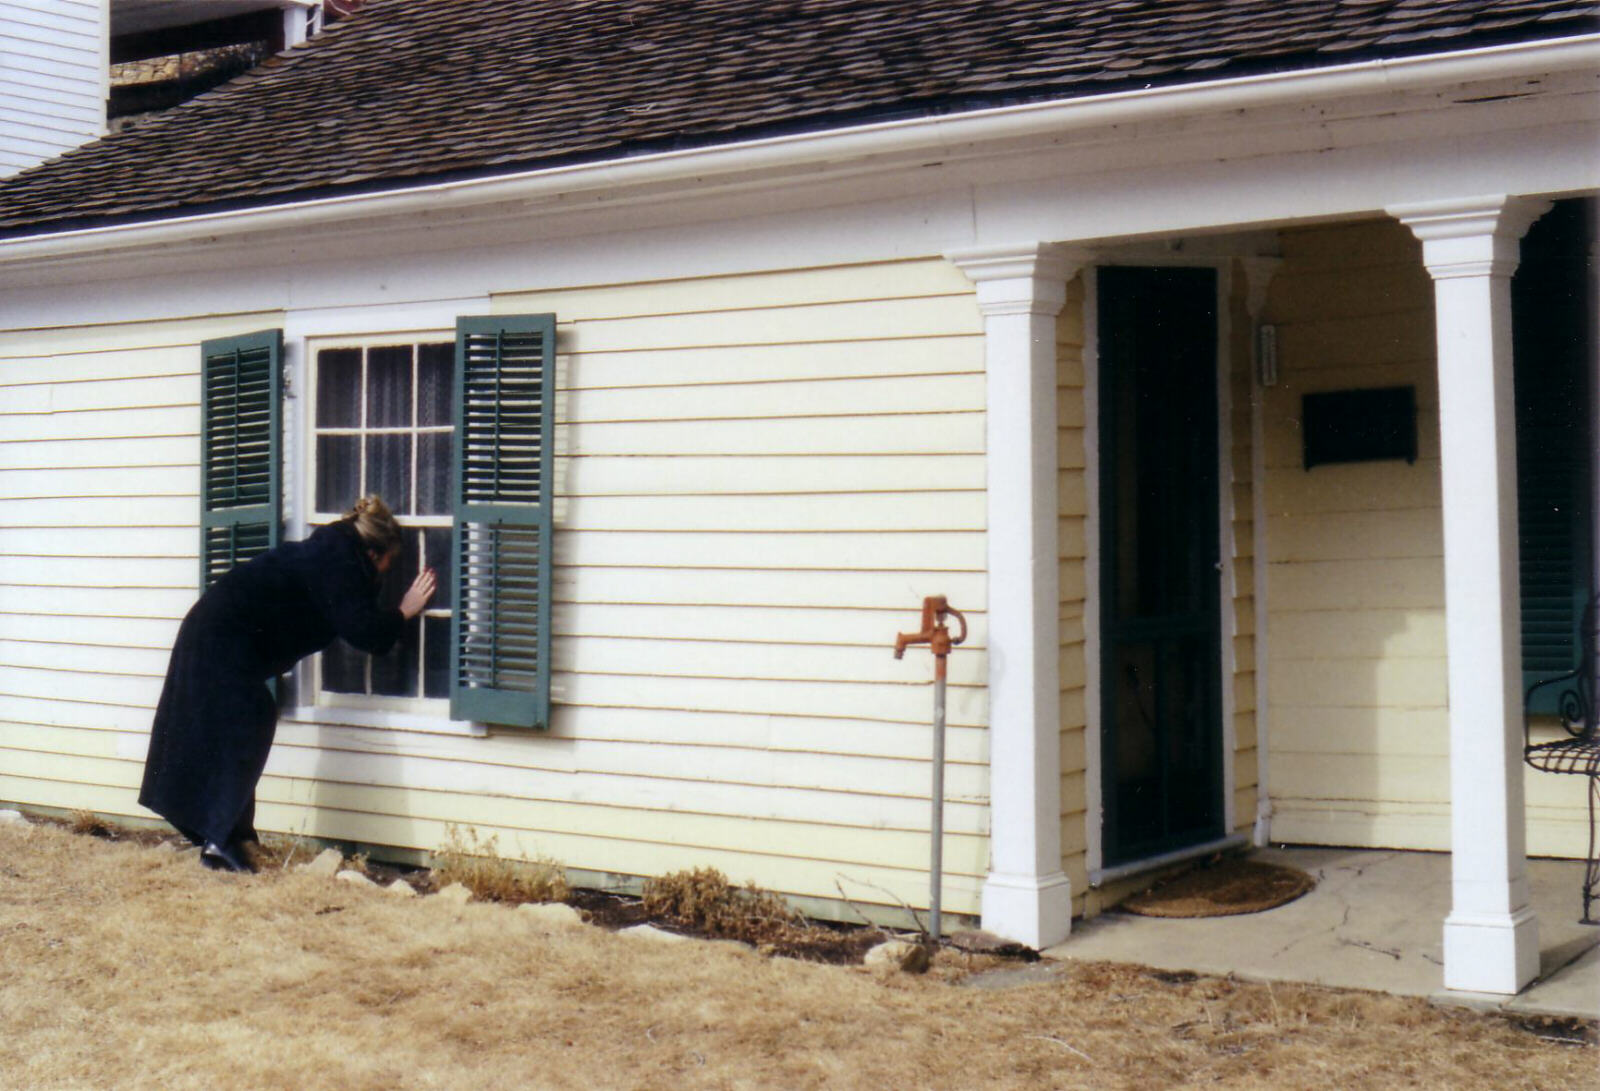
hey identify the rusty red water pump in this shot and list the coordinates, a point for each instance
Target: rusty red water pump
(936, 634)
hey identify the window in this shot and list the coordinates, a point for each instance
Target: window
(457, 438)
(382, 423)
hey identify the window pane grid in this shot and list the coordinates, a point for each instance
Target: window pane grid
(378, 429)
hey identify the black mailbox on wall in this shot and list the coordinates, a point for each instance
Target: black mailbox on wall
(1359, 425)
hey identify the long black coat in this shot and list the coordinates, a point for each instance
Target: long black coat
(214, 725)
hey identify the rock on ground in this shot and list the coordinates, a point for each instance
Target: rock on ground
(13, 818)
(402, 889)
(455, 893)
(651, 932)
(355, 878)
(897, 954)
(551, 914)
(327, 863)
(738, 947)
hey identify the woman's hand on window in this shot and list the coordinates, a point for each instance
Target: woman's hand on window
(419, 593)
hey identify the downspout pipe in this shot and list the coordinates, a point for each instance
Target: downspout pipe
(855, 150)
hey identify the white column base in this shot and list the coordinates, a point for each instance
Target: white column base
(1036, 911)
(1491, 953)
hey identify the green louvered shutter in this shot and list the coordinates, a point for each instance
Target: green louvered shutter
(241, 485)
(1552, 350)
(1553, 540)
(504, 417)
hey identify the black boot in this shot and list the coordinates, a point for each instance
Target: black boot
(229, 857)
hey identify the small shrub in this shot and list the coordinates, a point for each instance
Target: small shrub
(476, 864)
(705, 901)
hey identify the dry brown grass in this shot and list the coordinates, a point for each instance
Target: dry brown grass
(475, 863)
(124, 966)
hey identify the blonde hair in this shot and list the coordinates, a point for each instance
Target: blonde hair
(375, 524)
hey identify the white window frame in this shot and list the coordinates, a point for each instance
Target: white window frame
(306, 331)
(312, 676)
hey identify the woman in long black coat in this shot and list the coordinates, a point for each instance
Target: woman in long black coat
(216, 719)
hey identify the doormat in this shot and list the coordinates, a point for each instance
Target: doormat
(1234, 885)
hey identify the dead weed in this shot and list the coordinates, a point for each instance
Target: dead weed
(475, 862)
(277, 852)
(703, 901)
(87, 823)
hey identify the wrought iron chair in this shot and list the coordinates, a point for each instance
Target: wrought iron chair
(1579, 752)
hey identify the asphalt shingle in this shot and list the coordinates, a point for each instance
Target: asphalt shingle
(412, 91)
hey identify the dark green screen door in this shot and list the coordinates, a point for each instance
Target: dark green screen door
(1159, 626)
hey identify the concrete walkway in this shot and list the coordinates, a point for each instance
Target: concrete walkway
(1374, 921)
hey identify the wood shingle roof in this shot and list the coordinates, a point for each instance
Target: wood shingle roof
(413, 91)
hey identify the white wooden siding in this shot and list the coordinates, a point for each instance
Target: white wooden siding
(54, 78)
(98, 506)
(758, 478)
(1238, 597)
(1072, 492)
(1359, 732)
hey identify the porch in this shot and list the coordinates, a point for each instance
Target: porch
(1342, 581)
(1372, 922)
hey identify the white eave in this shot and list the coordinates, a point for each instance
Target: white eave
(143, 16)
(874, 147)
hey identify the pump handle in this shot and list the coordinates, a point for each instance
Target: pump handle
(934, 610)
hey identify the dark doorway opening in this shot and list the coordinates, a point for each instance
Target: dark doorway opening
(1160, 631)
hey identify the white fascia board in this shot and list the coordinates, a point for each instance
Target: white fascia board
(842, 152)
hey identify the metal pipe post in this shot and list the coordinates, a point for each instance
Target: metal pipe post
(937, 636)
(936, 875)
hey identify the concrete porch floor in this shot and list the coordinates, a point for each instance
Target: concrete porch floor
(1374, 921)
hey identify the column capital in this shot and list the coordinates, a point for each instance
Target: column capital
(1471, 237)
(1258, 274)
(1022, 278)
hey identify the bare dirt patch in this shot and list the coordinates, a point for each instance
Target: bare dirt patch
(128, 966)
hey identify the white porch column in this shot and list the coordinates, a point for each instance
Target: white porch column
(1491, 938)
(1020, 291)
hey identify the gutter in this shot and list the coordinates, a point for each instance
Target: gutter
(887, 142)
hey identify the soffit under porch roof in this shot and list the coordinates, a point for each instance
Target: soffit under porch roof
(416, 91)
